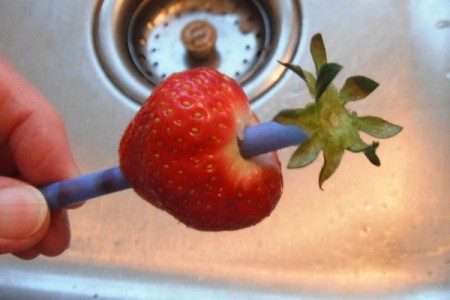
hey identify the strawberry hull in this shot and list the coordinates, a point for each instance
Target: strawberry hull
(181, 154)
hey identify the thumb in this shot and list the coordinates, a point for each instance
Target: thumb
(23, 212)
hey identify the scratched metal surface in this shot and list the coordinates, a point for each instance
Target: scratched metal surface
(373, 232)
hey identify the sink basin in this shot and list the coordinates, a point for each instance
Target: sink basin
(372, 233)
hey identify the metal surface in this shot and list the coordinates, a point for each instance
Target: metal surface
(374, 232)
(155, 36)
(139, 44)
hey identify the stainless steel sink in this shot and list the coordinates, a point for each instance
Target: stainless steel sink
(373, 233)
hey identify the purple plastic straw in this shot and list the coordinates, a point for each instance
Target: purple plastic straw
(68, 192)
(270, 136)
(258, 139)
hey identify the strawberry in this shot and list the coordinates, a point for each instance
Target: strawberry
(181, 154)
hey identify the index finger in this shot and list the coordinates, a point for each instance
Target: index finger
(33, 131)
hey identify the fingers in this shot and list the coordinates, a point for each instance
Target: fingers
(7, 165)
(27, 254)
(33, 131)
(24, 216)
(26, 226)
(56, 240)
(33, 147)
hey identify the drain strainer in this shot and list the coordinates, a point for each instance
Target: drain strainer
(156, 30)
(140, 43)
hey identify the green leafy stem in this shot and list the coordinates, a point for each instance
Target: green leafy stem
(332, 127)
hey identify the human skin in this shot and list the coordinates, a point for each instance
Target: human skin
(34, 151)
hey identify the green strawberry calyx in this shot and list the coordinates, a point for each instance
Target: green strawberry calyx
(333, 129)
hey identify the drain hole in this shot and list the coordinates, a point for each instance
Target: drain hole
(162, 23)
(138, 42)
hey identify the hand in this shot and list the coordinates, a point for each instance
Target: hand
(34, 151)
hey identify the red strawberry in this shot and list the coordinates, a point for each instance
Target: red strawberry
(181, 154)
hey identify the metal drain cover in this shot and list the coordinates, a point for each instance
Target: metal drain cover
(157, 49)
(139, 44)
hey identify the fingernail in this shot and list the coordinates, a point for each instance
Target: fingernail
(22, 211)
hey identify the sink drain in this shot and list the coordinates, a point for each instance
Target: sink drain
(156, 44)
(140, 43)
